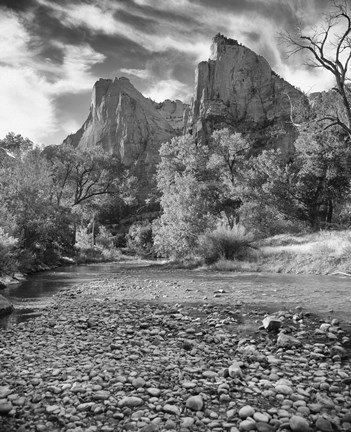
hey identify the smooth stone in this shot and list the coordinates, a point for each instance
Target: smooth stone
(149, 428)
(325, 400)
(247, 425)
(155, 392)
(130, 401)
(246, 411)
(101, 395)
(171, 409)
(187, 422)
(235, 370)
(259, 417)
(264, 427)
(283, 389)
(5, 408)
(195, 403)
(286, 341)
(299, 424)
(324, 425)
(138, 382)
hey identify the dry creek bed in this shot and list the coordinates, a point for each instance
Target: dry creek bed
(125, 354)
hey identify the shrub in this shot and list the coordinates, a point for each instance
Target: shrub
(104, 249)
(104, 238)
(8, 253)
(139, 238)
(84, 240)
(266, 221)
(224, 243)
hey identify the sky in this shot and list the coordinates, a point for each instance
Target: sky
(53, 51)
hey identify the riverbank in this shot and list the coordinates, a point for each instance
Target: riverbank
(321, 253)
(152, 351)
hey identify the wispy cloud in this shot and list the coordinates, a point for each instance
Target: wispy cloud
(29, 84)
(54, 48)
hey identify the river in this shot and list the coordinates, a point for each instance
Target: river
(320, 294)
(29, 296)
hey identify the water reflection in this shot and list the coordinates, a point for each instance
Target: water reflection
(44, 285)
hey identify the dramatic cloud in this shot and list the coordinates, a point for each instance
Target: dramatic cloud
(52, 51)
(29, 83)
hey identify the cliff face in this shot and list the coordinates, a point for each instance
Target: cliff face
(237, 88)
(122, 121)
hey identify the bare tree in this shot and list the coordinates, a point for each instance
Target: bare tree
(329, 47)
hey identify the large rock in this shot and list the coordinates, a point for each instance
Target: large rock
(5, 306)
(173, 113)
(237, 87)
(122, 121)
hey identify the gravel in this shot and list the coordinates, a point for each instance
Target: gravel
(99, 361)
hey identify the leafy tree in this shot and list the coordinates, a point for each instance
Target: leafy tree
(329, 47)
(139, 238)
(307, 187)
(228, 153)
(184, 201)
(41, 228)
(15, 145)
(78, 176)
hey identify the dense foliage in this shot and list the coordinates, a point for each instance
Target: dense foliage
(46, 195)
(222, 183)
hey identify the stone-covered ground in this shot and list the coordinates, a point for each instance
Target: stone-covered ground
(108, 356)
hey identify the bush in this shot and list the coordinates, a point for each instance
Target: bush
(104, 238)
(224, 243)
(266, 221)
(104, 249)
(139, 238)
(8, 253)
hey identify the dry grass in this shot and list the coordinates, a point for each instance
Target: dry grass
(324, 252)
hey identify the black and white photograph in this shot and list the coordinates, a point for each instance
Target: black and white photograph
(175, 215)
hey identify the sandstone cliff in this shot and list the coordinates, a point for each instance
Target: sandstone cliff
(122, 121)
(173, 113)
(237, 88)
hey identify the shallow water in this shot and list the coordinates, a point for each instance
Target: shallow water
(29, 297)
(321, 294)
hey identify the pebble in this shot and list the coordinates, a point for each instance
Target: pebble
(130, 401)
(246, 411)
(298, 424)
(324, 425)
(112, 363)
(247, 425)
(171, 409)
(195, 403)
(271, 323)
(235, 370)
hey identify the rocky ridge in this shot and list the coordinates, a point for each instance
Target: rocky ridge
(237, 88)
(122, 121)
(104, 358)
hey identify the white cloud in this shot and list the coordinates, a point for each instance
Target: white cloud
(25, 108)
(160, 89)
(27, 95)
(75, 73)
(168, 89)
(139, 73)
(70, 126)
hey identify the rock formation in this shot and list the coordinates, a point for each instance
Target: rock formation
(173, 112)
(238, 88)
(122, 121)
(235, 87)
